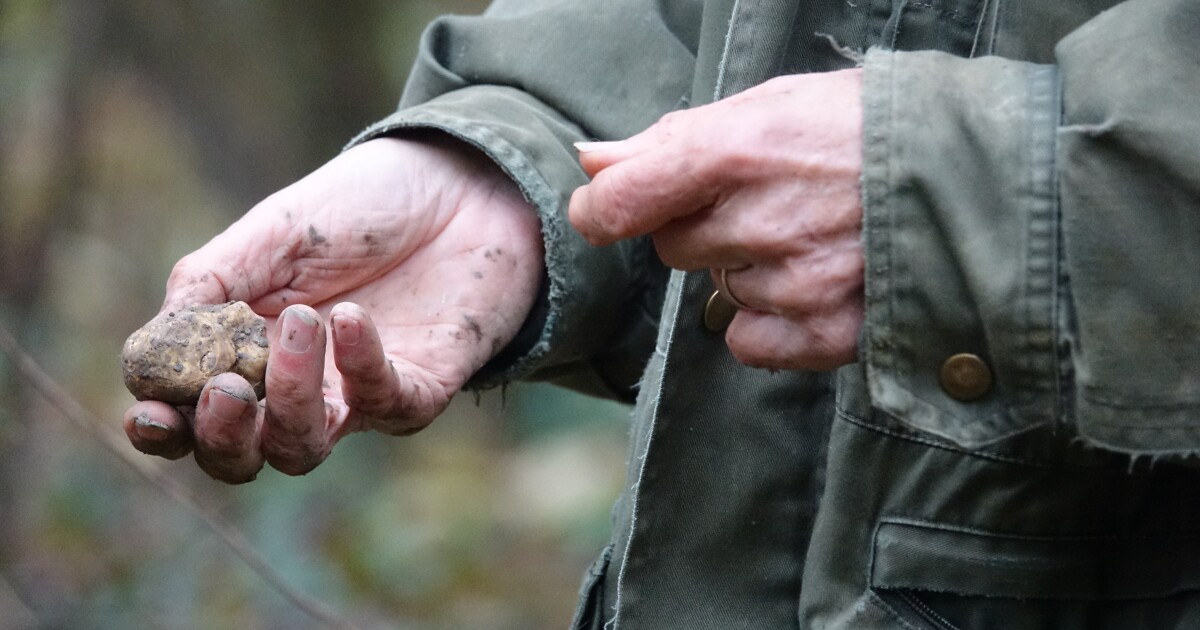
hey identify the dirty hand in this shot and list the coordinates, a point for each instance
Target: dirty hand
(428, 237)
(765, 185)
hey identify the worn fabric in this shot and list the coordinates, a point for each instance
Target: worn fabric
(1031, 191)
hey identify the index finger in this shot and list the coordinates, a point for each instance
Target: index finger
(642, 193)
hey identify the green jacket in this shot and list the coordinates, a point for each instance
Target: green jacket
(1032, 198)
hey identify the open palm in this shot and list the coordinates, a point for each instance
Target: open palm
(421, 258)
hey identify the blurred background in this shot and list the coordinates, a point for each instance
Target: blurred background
(131, 131)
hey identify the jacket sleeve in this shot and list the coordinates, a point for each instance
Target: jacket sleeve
(1045, 218)
(522, 83)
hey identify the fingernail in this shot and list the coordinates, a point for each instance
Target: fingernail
(346, 330)
(588, 147)
(298, 331)
(226, 405)
(148, 429)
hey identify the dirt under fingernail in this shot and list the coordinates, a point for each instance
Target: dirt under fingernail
(227, 406)
(151, 430)
(346, 330)
(240, 396)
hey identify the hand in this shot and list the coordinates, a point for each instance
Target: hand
(430, 238)
(764, 184)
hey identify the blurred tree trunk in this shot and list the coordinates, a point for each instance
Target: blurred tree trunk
(29, 229)
(270, 89)
(25, 247)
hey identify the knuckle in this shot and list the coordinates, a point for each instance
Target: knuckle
(286, 426)
(220, 448)
(183, 272)
(736, 163)
(844, 271)
(371, 390)
(754, 236)
(190, 282)
(820, 287)
(370, 401)
(366, 367)
(616, 212)
(289, 392)
(669, 123)
(286, 393)
(809, 343)
(843, 343)
(409, 406)
(666, 243)
(747, 351)
(294, 440)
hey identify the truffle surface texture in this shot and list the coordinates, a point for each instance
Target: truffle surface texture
(173, 356)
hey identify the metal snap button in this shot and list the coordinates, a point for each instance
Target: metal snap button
(966, 377)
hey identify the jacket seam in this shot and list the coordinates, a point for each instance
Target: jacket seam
(643, 457)
(737, 5)
(898, 519)
(635, 489)
(1132, 405)
(983, 19)
(1040, 288)
(889, 610)
(880, 284)
(987, 455)
(1001, 7)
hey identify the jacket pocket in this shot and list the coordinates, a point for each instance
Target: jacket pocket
(589, 614)
(933, 576)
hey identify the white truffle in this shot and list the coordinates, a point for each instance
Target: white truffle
(173, 356)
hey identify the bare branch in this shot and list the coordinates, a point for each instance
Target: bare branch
(73, 411)
(16, 613)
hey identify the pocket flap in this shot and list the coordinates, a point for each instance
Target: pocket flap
(939, 558)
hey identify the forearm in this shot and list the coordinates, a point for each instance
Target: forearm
(523, 90)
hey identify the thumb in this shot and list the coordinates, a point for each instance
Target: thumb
(223, 269)
(193, 281)
(235, 264)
